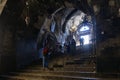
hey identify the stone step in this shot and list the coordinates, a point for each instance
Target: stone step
(68, 73)
(7, 77)
(50, 77)
(81, 69)
(47, 77)
(64, 65)
(80, 65)
(79, 62)
(65, 73)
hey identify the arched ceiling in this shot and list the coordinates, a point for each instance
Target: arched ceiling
(38, 9)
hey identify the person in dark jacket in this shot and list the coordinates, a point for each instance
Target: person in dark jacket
(45, 56)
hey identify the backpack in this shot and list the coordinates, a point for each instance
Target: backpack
(45, 51)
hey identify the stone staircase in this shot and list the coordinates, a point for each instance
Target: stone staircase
(75, 69)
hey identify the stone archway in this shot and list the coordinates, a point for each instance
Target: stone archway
(75, 19)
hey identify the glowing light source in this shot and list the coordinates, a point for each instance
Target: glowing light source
(84, 28)
(73, 28)
(86, 39)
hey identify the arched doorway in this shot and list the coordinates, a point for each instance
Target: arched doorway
(86, 32)
(80, 26)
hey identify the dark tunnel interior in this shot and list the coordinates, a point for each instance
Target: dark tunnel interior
(27, 25)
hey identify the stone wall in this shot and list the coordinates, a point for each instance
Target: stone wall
(7, 51)
(108, 56)
(112, 42)
(14, 52)
(26, 52)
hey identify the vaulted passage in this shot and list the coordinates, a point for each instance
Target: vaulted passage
(77, 26)
(52, 40)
